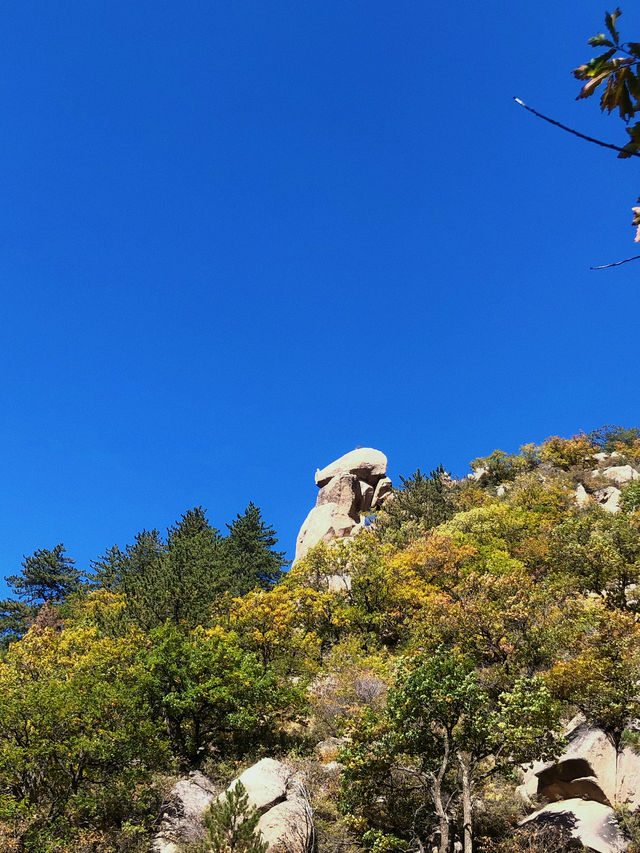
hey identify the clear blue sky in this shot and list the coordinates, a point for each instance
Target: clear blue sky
(240, 238)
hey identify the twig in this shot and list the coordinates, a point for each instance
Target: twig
(577, 132)
(616, 264)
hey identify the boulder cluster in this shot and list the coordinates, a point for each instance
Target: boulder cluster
(617, 475)
(583, 786)
(353, 485)
(273, 789)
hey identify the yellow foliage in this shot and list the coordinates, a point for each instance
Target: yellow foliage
(565, 452)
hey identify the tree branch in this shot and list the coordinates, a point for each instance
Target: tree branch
(616, 264)
(577, 132)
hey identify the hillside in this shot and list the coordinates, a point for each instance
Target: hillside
(448, 664)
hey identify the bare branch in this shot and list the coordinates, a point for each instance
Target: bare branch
(577, 132)
(616, 264)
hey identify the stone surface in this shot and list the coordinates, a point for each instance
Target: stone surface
(338, 583)
(594, 824)
(621, 474)
(279, 795)
(286, 822)
(366, 463)
(628, 779)
(182, 817)
(265, 782)
(342, 490)
(327, 750)
(325, 523)
(288, 826)
(383, 489)
(609, 497)
(366, 491)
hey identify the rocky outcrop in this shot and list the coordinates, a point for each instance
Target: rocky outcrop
(365, 463)
(589, 768)
(354, 484)
(273, 790)
(590, 773)
(592, 823)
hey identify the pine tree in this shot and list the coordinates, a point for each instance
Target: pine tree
(47, 576)
(177, 579)
(231, 825)
(251, 558)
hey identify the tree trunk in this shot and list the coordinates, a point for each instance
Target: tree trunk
(467, 817)
(443, 820)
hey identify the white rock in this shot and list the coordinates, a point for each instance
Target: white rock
(628, 779)
(366, 463)
(366, 495)
(338, 583)
(286, 823)
(265, 782)
(594, 824)
(620, 474)
(288, 826)
(182, 820)
(582, 497)
(609, 497)
(324, 522)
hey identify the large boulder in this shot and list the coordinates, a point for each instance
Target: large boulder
(266, 783)
(593, 824)
(609, 497)
(589, 768)
(620, 474)
(365, 463)
(628, 779)
(286, 821)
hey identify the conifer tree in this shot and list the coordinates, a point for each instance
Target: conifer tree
(231, 825)
(249, 550)
(47, 576)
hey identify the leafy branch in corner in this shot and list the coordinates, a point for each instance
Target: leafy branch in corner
(618, 70)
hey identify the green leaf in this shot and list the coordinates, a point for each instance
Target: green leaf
(594, 66)
(600, 41)
(610, 21)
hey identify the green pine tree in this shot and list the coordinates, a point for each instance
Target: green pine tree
(47, 576)
(177, 579)
(249, 549)
(231, 825)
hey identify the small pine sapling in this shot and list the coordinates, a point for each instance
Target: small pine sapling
(231, 825)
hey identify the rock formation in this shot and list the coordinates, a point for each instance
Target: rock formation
(584, 785)
(593, 824)
(276, 792)
(354, 484)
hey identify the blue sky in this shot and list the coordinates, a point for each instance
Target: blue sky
(238, 239)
